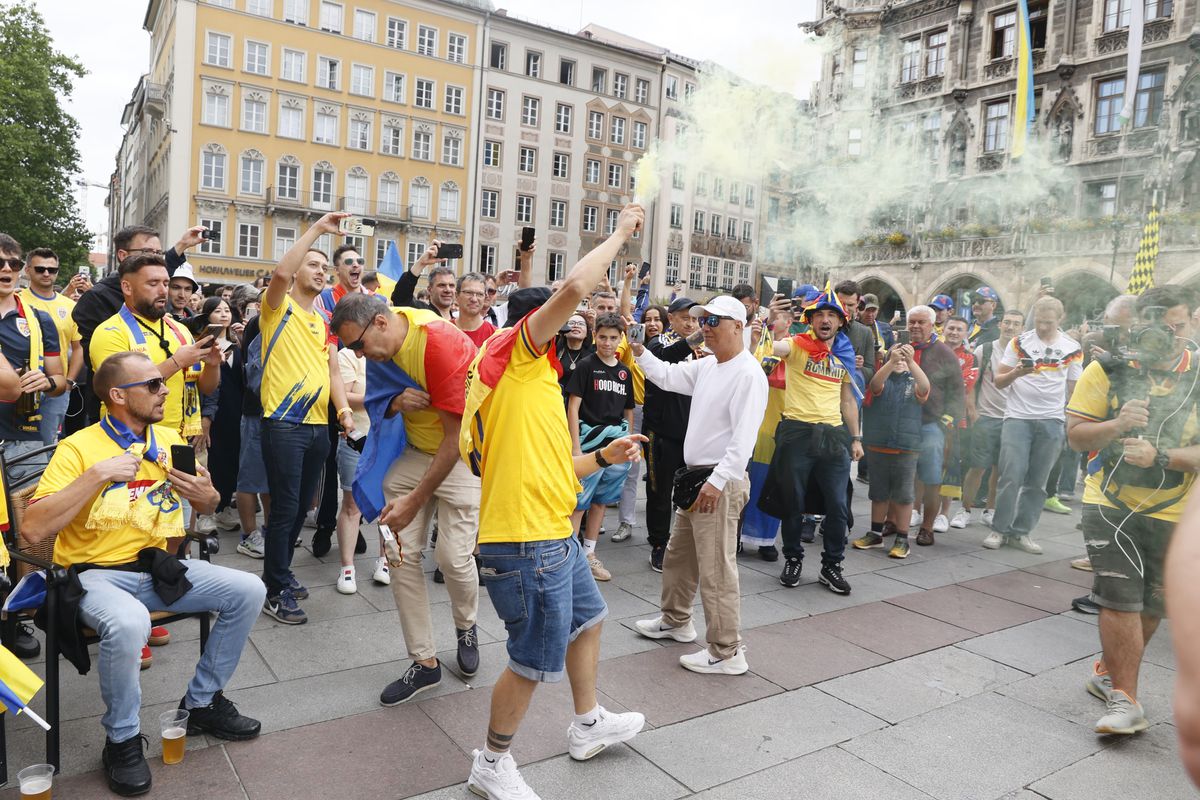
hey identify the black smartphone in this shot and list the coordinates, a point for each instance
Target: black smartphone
(903, 337)
(450, 251)
(644, 271)
(765, 293)
(210, 236)
(183, 458)
(1027, 362)
(786, 287)
(527, 235)
(357, 441)
(213, 330)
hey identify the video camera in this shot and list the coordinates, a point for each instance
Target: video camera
(1149, 341)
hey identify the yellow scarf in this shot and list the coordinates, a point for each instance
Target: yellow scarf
(157, 511)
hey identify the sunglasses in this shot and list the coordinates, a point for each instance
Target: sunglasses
(13, 263)
(712, 320)
(350, 262)
(153, 385)
(358, 343)
(46, 270)
(149, 251)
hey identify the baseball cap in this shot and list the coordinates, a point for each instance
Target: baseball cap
(680, 304)
(723, 306)
(184, 270)
(805, 291)
(942, 302)
(523, 301)
(870, 301)
(985, 293)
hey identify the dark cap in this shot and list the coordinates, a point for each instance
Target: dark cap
(522, 301)
(680, 304)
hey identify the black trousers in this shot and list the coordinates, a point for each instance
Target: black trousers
(664, 456)
(327, 508)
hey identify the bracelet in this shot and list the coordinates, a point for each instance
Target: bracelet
(53, 383)
(600, 459)
(346, 410)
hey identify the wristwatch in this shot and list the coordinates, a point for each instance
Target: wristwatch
(1161, 459)
(600, 459)
(53, 383)
(856, 438)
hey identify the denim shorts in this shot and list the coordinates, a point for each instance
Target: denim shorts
(252, 467)
(1127, 567)
(933, 445)
(546, 595)
(603, 487)
(985, 442)
(347, 463)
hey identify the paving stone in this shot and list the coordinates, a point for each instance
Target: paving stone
(619, 772)
(655, 684)
(1161, 649)
(298, 651)
(913, 686)
(1145, 765)
(940, 572)
(383, 754)
(1029, 589)
(979, 747)
(1061, 691)
(889, 630)
(752, 736)
(795, 654)
(825, 774)
(866, 587)
(975, 611)
(1063, 571)
(1039, 645)
(622, 604)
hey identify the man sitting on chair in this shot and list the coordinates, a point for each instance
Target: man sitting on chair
(113, 497)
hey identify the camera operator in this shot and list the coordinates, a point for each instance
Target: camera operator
(1135, 411)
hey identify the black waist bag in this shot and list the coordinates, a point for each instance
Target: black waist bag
(688, 482)
(828, 442)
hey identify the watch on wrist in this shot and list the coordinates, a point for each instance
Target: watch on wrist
(1161, 458)
(856, 438)
(53, 383)
(600, 459)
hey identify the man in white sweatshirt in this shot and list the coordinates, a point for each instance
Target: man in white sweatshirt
(729, 397)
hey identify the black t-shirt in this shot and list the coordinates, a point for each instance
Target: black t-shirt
(666, 413)
(605, 391)
(14, 342)
(570, 360)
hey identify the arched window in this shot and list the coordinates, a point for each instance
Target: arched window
(251, 173)
(212, 167)
(356, 190)
(389, 194)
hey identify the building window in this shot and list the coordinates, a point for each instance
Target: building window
(1116, 14)
(561, 167)
(995, 136)
(677, 179)
(327, 72)
(743, 273)
(254, 116)
(495, 104)
(381, 248)
(641, 90)
(448, 203)
(391, 142)
(1102, 199)
(249, 240)
(672, 87)
(294, 67)
(364, 25)
(393, 87)
(212, 246)
(590, 215)
(731, 229)
(676, 215)
(491, 154)
(413, 252)
(260, 7)
(454, 100)
(616, 176)
(562, 118)
(533, 64)
(566, 72)
(1158, 9)
(216, 109)
(617, 130)
(212, 171)
(331, 17)
(932, 135)
(696, 271)
(422, 147)
(935, 54)
(530, 106)
(688, 88)
(858, 68)
(698, 222)
(558, 214)
(423, 94)
(456, 48)
(727, 275)
(673, 257)
(524, 209)
(734, 191)
(749, 203)
(592, 174)
(218, 50)
(362, 80)
(910, 60)
(599, 80)
(295, 11)
(287, 182)
(389, 195)
(595, 125)
(714, 267)
(489, 204)
(1004, 34)
(397, 33)
(620, 85)
(325, 128)
(718, 189)
(452, 150)
(701, 184)
(715, 224)
(1148, 102)
(487, 259)
(498, 56)
(854, 142)
(360, 135)
(1038, 16)
(1110, 97)
(747, 231)
(419, 195)
(610, 222)
(322, 187)
(426, 40)
(356, 191)
(555, 266)
(258, 57)
(291, 122)
(639, 135)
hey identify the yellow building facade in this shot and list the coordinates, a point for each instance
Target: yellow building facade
(258, 116)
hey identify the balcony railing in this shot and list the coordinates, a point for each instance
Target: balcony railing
(320, 202)
(394, 212)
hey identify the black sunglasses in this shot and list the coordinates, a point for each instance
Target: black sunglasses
(712, 320)
(358, 343)
(350, 262)
(153, 385)
(46, 270)
(14, 263)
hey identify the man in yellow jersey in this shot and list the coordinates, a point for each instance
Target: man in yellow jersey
(300, 377)
(41, 268)
(515, 437)
(113, 497)
(1137, 418)
(422, 473)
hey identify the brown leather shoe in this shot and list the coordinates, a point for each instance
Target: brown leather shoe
(924, 537)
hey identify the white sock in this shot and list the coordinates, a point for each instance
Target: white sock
(590, 718)
(589, 546)
(491, 756)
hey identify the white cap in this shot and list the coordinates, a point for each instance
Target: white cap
(723, 306)
(184, 270)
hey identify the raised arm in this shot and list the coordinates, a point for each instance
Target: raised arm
(289, 265)
(679, 378)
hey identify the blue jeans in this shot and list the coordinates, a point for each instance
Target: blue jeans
(295, 455)
(12, 449)
(832, 476)
(1028, 449)
(54, 411)
(546, 595)
(117, 606)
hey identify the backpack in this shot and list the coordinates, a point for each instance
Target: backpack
(256, 361)
(985, 365)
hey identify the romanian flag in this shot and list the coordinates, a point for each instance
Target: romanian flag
(1142, 277)
(1023, 116)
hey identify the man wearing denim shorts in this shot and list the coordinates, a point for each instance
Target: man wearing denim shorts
(252, 470)
(1138, 421)
(514, 436)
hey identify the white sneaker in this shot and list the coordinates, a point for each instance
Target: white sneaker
(228, 519)
(941, 524)
(345, 581)
(961, 520)
(252, 545)
(310, 519)
(1026, 544)
(916, 519)
(623, 532)
(1125, 715)
(205, 523)
(993, 541)
(988, 515)
(655, 629)
(381, 575)
(499, 781)
(609, 729)
(702, 661)
(1099, 684)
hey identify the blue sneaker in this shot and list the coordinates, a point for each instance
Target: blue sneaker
(283, 607)
(298, 590)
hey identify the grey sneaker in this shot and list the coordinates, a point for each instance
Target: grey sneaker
(252, 545)
(623, 532)
(1125, 715)
(1026, 544)
(1099, 684)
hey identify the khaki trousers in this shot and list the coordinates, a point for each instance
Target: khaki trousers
(703, 552)
(457, 505)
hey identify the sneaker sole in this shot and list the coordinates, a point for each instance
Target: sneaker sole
(714, 670)
(992, 546)
(411, 696)
(599, 747)
(858, 546)
(958, 527)
(667, 634)
(196, 730)
(897, 555)
(782, 582)
(616, 537)
(656, 569)
(378, 582)
(829, 585)
(352, 590)
(251, 553)
(1135, 728)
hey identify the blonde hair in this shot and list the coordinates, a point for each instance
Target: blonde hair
(1049, 304)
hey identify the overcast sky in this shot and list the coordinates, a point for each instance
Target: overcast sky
(756, 38)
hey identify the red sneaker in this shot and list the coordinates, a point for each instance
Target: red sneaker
(159, 636)
(147, 658)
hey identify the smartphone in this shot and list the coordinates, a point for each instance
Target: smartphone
(903, 337)
(1027, 362)
(183, 458)
(527, 235)
(356, 226)
(786, 287)
(644, 271)
(213, 330)
(357, 441)
(637, 333)
(450, 251)
(210, 236)
(85, 271)
(765, 293)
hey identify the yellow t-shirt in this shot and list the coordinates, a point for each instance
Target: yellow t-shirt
(59, 308)
(127, 330)
(75, 454)
(814, 389)
(436, 355)
(295, 379)
(1091, 402)
(625, 356)
(526, 470)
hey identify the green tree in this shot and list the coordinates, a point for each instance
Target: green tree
(38, 156)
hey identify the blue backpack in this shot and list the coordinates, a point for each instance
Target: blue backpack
(256, 361)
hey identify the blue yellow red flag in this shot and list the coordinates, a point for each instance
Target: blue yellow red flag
(1023, 116)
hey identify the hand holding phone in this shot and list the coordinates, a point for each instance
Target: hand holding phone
(528, 234)
(903, 337)
(450, 251)
(637, 333)
(183, 458)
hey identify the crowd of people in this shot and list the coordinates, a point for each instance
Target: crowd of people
(491, 423)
